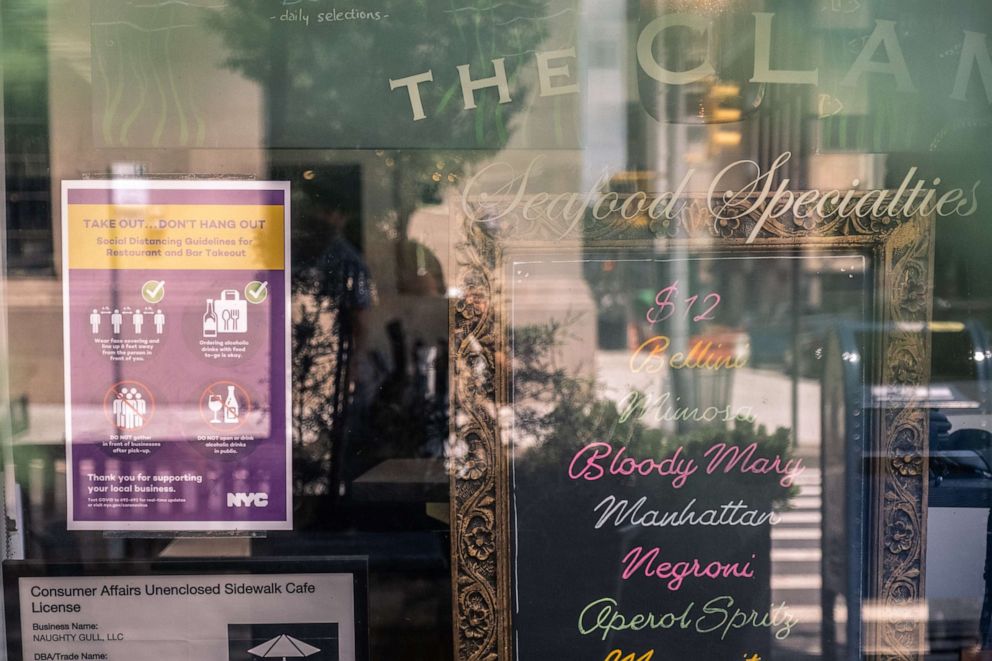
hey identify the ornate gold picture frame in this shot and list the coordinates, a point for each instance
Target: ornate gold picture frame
(901, 251)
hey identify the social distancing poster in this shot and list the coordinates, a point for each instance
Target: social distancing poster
(175, 298)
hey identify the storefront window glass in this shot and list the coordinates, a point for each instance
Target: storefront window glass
(495, 330)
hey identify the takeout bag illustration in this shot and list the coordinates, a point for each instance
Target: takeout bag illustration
(232, 312)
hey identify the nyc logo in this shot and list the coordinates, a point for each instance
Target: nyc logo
(240, 499)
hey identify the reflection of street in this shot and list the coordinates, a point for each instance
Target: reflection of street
(796, 540)
(796, 564)
(768, 393)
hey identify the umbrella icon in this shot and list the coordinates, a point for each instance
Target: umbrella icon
(283, 646)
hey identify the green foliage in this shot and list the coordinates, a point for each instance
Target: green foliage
(556, 414)
(24, 41)
(327, 83)
(333, 77)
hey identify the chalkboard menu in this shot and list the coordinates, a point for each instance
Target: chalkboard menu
(650, 472)
(638, 429)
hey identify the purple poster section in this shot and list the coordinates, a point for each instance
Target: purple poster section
(177, 377)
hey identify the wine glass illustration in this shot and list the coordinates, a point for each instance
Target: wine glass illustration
(215, 404)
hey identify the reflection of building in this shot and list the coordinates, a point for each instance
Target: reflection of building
(90, 107)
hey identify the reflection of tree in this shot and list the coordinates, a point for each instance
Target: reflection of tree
(328, 84)
(24, 53)
(316, 392)
(330, 300)
(24, 44)
(559, 414)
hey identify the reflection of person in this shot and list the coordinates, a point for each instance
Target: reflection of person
(116, 319)
(95, 321)
(159, 320)
(333, 295)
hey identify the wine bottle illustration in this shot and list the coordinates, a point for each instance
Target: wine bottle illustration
(210, 320)
(232, 410)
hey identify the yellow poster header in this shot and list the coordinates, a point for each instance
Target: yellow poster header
(176, 236)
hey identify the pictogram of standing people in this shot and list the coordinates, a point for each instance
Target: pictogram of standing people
(137, 320)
